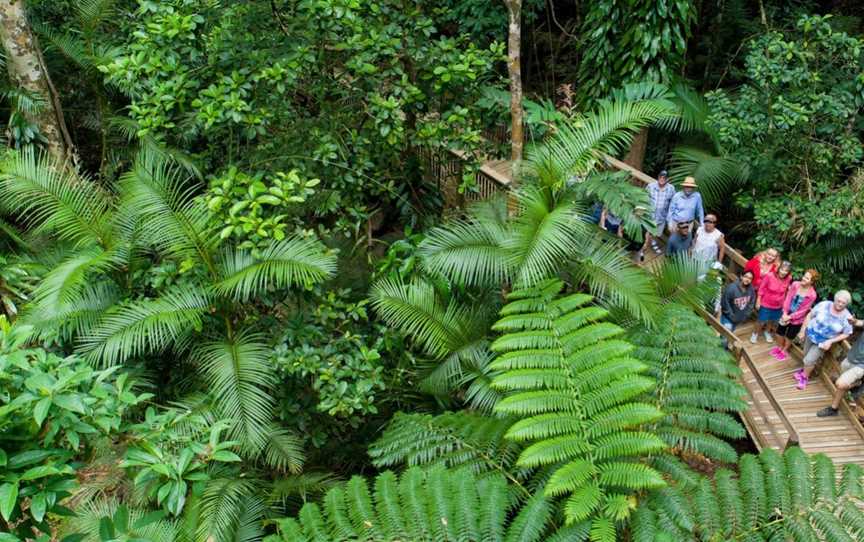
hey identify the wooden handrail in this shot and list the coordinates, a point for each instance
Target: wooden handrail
(742, 356)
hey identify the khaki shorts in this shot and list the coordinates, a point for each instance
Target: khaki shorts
(850, 375)
(812, 353)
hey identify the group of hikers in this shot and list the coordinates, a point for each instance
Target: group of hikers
(785, 308)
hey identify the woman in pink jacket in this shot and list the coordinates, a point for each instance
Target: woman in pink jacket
(769, 301)
(799, 300)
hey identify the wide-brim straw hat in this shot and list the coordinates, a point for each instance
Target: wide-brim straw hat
(689, 182)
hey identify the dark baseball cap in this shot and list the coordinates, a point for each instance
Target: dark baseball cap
(663, 173)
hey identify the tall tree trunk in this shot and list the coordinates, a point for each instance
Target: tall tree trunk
(27, 70)
(636, 155)
(514, 67)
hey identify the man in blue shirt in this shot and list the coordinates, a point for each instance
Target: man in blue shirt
(686, 206)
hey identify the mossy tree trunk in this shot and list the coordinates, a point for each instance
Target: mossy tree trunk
(27, 71)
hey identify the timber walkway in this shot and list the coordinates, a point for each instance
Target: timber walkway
(778, 415)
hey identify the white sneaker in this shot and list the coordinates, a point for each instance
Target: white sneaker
(754, 338)
(769, 338)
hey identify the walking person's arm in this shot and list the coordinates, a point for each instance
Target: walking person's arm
(805, 324)
(721, 243)
(603, 219)
(700, 210)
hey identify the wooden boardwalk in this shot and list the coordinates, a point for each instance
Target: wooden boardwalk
(838, 437)
(779, 415)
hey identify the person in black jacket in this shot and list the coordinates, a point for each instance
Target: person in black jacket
(737, 301)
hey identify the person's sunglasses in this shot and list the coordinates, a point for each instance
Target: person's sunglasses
(711, 221)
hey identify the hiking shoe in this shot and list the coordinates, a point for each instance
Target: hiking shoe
(769, 338)
(802, 382)
(641, 255)
(781, 356)
(754, 338)
(774, 351)
(827, 412)
(656, 247)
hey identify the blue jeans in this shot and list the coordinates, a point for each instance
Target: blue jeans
(728, 324)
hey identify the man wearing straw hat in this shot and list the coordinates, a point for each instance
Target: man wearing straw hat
(685, 207)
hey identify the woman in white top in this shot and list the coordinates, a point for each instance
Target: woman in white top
(709, 245)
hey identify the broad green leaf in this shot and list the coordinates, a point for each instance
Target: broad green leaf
(6, 537)
(38, 506)
(3, 458)
(40, 472)
(71, 402)
(8, 498)
(40, 411)
(226, 456)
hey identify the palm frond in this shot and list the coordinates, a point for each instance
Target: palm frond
(284, 451)
(295, 261)
(543, 236)
(470, 252)
(452, 333)
(717, 176)
(576, 147)
(143, 326)
(81, 313)
(224, 507)
(53, 199)
(64, 284)
(239, 375)
(623, 199)
(610, 275)
(159, 200)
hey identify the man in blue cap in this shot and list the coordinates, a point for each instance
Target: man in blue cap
(660, 193)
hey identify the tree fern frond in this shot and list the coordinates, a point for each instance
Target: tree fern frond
(138, 327)
(454, 439)
(295, 261)
(749, 506)
(559, 403)
(421, 506)
(697, 385)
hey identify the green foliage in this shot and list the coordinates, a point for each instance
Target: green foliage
(244, 81)
(50, 409)
(453, 440)
(790, 124)
(165, 475)
(772, 497)
(421, 506)
(697, 387)
(255, 209)
(575, 387)
(634, 41)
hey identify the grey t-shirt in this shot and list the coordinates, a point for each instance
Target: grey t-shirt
(856, 353)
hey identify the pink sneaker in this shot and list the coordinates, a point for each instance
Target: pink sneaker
(781, 356)
(802, 382)
(775, 352)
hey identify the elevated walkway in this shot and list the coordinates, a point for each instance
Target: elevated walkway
(778, 415)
